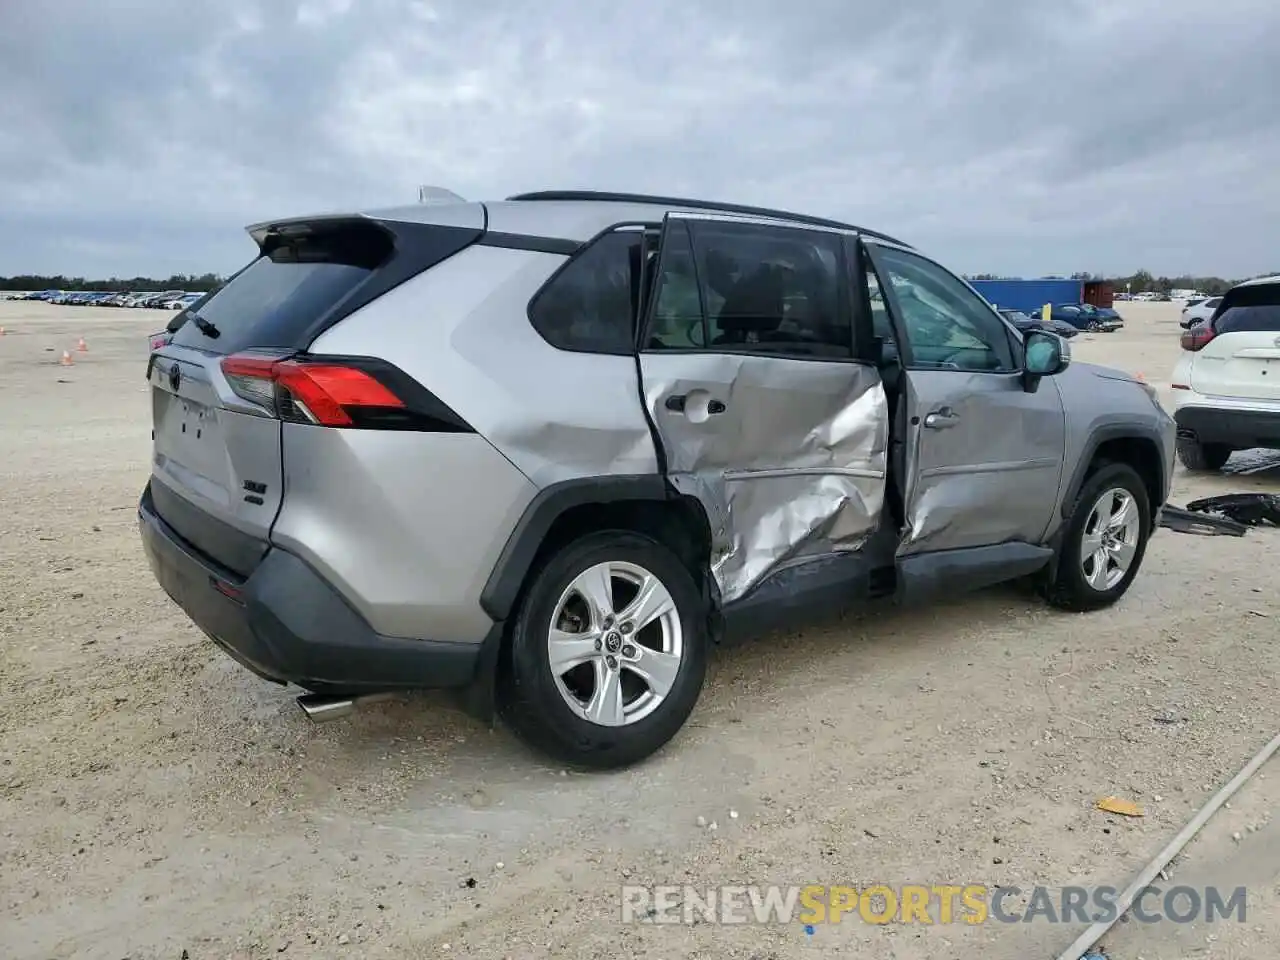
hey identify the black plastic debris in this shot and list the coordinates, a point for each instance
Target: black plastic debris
(1204, 524)
(1251, 509)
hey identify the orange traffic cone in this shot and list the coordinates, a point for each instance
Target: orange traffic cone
(82, 346)
(66, 360)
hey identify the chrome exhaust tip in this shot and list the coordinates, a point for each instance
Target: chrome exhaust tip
(321, 707)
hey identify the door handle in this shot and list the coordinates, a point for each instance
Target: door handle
(677, 402)
(941, 419)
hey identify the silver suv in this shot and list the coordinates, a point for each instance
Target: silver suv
(548, 450)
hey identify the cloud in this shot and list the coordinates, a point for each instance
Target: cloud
(1043, 136)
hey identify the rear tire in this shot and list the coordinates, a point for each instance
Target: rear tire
(638, 678)
(1203, 457)
(1089, 574)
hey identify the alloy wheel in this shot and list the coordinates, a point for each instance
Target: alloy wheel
(615, 643)
(1110, 539)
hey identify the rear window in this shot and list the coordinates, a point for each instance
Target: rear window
(273, 301)
(1250, 309)
(1249, 319)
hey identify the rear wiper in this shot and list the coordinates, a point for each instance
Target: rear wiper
(205, 327)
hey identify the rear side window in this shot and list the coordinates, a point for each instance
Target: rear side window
(590, 305)
(747, 287)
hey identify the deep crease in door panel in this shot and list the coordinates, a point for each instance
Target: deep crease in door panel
(801, 475)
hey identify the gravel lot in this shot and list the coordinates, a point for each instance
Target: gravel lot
(157, 801)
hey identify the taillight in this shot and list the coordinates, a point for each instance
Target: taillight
(302, 391)
(1196, 338)
(160, 339)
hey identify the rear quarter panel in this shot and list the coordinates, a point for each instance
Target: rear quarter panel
(406, 525)
(462, 330)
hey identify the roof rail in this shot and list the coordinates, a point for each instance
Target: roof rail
(607, 197)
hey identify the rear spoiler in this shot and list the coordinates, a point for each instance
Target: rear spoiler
(305, 226)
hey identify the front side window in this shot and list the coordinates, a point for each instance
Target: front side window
(747, 287)
(590, 305)
(947, 325)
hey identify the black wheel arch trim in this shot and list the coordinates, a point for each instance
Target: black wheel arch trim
(501, 590)
(1101, 435)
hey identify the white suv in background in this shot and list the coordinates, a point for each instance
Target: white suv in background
(1227, 382)
(1199, 311)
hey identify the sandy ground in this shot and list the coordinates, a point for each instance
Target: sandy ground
(157, 801)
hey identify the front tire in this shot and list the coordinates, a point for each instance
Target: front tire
(608, 652)
(1105, 540)
(1203, 457)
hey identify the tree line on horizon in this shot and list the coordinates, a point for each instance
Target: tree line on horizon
(179, 281)
(1141, 282)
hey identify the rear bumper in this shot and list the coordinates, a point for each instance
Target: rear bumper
(1241, 429)
(287, 624)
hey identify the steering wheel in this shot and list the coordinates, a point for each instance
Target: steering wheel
(701, 339)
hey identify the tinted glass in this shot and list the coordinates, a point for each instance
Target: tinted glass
(299, 278)
(590, 305)
(267, 305)
(947, 325)
(760, 289)
(1264, 318)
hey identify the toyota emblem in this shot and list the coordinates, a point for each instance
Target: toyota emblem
(175, 377)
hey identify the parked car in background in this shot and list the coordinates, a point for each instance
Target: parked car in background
(1198, 312)
(1084, 316)
(1026, 323)
(181, 303)
(633, 425)
(1226, 384)
(160, 301)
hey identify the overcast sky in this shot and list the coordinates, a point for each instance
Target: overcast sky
(1011, 136)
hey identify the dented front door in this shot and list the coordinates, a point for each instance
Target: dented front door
(781, 438)
(984, 457)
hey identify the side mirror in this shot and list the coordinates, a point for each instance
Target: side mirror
(1046, 354)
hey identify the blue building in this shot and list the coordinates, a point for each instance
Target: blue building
(1029, 295)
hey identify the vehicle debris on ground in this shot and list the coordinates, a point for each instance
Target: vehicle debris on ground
(1250, 509)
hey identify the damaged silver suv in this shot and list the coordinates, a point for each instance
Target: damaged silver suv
(548, 450)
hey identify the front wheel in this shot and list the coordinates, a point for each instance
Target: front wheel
(608, 652)
(1104, 542)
